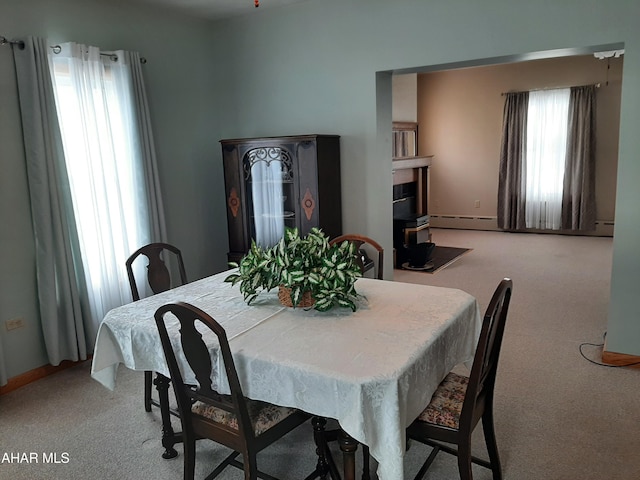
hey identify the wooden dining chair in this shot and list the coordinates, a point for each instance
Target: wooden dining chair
(460, 402)
(365, 262)
(243, 425)
(159, 280)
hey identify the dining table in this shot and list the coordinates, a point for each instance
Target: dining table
(373, 370)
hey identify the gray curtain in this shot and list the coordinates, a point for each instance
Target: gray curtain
(157, 227)
(578, 197)
(511, 189)
(51, 211)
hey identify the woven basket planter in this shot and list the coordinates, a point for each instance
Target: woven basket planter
(284, 295)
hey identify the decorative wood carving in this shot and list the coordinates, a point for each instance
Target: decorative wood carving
(308, 204)
(234, 202)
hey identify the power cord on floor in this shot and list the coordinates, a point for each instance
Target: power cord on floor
(600, 363)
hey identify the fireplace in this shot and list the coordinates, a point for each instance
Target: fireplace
(410, 196)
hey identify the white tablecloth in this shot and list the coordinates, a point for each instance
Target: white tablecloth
(373, 370)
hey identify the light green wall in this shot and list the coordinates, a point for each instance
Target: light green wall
(315, 67)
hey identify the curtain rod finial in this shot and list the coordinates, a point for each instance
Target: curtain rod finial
(4, 41)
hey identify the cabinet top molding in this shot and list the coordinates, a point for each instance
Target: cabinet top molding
(285, 138)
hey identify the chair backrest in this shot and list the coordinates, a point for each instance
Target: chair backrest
(198, 356)
(359, 241)
(158, 274)
(485, 362)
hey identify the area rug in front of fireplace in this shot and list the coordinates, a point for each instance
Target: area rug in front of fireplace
(441, 257)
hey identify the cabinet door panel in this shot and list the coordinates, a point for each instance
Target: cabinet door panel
(269, 185)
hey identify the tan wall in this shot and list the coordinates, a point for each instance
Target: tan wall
(405, 97)
(460, 118)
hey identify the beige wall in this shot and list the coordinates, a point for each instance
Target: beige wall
(460, 118)
(405, 97)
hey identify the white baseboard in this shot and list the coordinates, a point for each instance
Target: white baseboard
(604, 228)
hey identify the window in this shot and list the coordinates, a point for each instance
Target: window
(546, 147)
(547, 160)
(97, 122)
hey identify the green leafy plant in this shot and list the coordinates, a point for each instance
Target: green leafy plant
(302, 264)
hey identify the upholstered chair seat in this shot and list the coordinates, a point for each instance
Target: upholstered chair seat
(446, 404)
(263, 415)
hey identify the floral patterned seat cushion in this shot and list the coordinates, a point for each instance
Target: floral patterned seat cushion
(263, 415)
(446, 404)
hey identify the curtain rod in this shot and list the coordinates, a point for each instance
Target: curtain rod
(4, 41)
(58, 48)
(597, 85)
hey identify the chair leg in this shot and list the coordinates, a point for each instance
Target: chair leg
(250, 466)
(189, 458)
(425, 466)
(366, 457)
(492, 446)
(464, 459)
(148, 382)
(325, 465)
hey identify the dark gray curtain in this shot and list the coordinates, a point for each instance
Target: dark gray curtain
(511, 189)
(578, 197)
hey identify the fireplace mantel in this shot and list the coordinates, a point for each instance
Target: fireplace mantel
(405, 167)
(414, 170)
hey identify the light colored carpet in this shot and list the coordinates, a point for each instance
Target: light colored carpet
(558, 417)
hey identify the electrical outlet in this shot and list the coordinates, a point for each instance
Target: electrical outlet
(477, 204)
(14, 323)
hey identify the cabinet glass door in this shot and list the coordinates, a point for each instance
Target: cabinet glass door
(269, 186)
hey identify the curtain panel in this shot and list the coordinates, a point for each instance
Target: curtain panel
(157, 224)
(578, 198)
(57, 270)
(266, 193)
(547, 114)
(111, 165)
(511, 181)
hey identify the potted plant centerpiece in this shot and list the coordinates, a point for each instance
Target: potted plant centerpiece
(307, 270)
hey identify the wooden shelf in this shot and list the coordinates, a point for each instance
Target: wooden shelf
(411, 162)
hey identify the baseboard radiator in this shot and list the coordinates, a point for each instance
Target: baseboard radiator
(604, 228)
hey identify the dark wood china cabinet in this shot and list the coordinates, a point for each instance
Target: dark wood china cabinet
(273, 182)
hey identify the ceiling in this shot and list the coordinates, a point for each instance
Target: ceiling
(217, 9)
